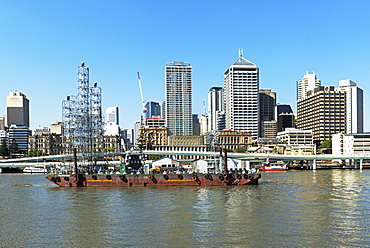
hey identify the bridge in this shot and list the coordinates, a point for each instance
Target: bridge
(255, 157)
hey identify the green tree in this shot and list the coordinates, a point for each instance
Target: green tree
(326, 147)
(34, 153)
(109, 149)
(326, 144)
(241, 149)
(4, 151)
(155, 156)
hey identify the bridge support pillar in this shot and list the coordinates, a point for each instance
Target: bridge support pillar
(355, 161)
(314, 164)
(361, 166)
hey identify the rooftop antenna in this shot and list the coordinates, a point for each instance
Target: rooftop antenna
(241, 58)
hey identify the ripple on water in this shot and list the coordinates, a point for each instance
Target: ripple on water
(303, 208)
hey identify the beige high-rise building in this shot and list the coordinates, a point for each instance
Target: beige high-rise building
(323, 111)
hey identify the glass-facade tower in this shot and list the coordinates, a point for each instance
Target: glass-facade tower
(178, 98)
(215, 106)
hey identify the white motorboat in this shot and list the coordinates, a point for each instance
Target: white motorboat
(35, 169)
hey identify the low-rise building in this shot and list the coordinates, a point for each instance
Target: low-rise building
(233, 140)
(195, 140)
(152, 136)
(297, 142)
(47, 143)
(351, 144)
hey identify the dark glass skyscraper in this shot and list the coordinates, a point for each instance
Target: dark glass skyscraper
(284, 117)
(267, 103)
(153, 110)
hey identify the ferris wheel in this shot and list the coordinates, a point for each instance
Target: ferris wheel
(212, 138)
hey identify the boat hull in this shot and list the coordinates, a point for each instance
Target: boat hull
(34, 170)
(115, 180)
(267, 169)
(278, 166)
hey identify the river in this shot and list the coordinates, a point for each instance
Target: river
(287, 209)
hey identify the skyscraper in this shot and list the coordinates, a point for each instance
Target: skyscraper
(153, 110)
(284, 117)
(17, 106)
(18, 120)
(215, 106)
(267, 103)
(323, 111)
(308, 83)
(112, 118)
(355, 106)
(112, 115)
(241, 85)
(178, 98)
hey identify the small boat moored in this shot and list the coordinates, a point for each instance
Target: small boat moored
(276, 166)
(35, 169)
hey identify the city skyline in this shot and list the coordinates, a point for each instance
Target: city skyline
(45, 41)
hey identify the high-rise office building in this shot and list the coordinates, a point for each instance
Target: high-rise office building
(354, 106)
(17, 106)
(19, 135)
(112, 115)
(135, 132)
(323, 111)
(221, 122)
(18, 120)
(308, 83)
(203, 124)
(284, 117)
(215, 106)
(112, 119)
(153, 110)
(196, 124)
(178, 98)
(241, 85)
(267, 103)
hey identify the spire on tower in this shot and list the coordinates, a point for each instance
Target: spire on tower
(241, 59)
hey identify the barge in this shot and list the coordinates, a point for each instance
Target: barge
(114, 180)
(154, 178)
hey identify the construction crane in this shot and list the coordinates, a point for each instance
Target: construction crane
(142, 97)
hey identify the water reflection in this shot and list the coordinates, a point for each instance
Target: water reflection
(307, 208)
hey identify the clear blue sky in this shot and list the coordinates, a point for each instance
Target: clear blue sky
(42, 43)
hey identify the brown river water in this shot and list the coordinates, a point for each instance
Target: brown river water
(325, 208)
